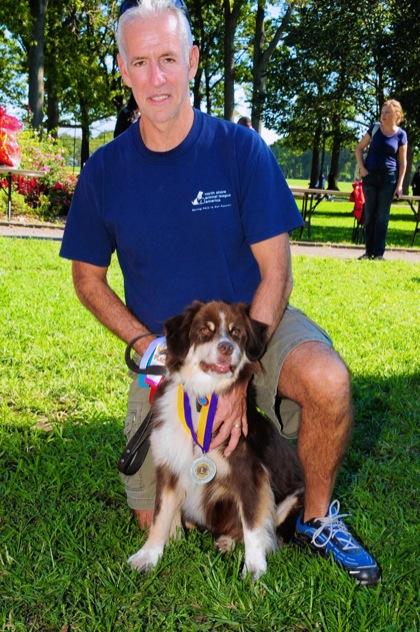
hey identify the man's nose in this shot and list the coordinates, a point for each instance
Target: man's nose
(157, 75)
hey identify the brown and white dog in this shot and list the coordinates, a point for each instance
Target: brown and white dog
(258, 489)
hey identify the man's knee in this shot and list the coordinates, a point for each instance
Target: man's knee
(314, 371)
(330, 376)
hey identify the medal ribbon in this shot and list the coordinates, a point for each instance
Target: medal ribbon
(205, 419)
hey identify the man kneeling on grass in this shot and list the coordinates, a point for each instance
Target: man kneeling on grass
(197, 208)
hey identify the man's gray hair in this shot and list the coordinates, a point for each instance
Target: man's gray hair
(152, 8)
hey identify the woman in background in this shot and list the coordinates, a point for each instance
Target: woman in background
(382, 174)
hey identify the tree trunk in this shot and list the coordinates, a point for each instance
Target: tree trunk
(315, 157)
(53, 112)
(38, 10)
(407, 177)
(258, 80)
(231, 20)
(84, 150)
(261, 59)
(208, 90)
(335, 156)
(197, 7)
(322, 165)
(197, 88)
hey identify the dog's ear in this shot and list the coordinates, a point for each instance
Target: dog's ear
(177, 332)
(256, 343)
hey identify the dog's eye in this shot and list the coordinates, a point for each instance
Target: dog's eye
(206, 330)
(235, 332)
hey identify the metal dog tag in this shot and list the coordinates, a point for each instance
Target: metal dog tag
(203, 470)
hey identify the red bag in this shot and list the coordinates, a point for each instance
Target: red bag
(9, 148)
(357, 196)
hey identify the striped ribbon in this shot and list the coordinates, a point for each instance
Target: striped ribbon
(202, 437)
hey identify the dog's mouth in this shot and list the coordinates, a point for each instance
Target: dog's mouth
(221, 368)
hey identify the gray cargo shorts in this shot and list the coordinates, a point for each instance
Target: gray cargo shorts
(294, 329)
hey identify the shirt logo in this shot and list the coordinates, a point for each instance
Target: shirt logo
(198, 199)
(208, 200)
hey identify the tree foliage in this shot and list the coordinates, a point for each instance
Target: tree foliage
(337, 68)
(315, 71)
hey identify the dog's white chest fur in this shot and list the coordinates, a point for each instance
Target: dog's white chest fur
(174, 447)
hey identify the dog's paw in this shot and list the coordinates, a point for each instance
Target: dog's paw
(145, 559)
(255, 567)
(225, 544)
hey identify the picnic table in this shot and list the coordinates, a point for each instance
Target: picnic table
(310, 200)
(9, 172)
(312, 197)
(414, 203)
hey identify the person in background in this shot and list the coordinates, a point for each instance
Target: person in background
(382, 174)
(321, 182)
(415, 182)
(245, 121)
(127, 115)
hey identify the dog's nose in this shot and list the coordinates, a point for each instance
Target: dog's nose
(225, 347)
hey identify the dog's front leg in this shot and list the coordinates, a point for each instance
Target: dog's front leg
(257, 515)
(169, 498)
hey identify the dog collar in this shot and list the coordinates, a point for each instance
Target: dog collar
(202, 437)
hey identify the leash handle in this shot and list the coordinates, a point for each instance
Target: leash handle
(136, 449)
(150, 370)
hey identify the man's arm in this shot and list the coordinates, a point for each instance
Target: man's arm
(272, 294)
(269, 302)
(93, 291)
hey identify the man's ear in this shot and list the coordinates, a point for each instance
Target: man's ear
(193, 62)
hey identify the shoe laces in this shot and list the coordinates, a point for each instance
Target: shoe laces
(332, 525)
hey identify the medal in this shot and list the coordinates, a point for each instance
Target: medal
(203, 470)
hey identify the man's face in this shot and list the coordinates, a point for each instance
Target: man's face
(156, 68)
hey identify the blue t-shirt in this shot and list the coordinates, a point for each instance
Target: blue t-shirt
(182, 221)
(383, 151)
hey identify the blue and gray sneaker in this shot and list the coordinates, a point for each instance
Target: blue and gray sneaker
(330, 536)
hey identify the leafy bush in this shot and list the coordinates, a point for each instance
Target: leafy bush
(48, 197)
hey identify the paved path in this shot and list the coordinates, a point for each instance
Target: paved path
(25, 230)
(351, 252)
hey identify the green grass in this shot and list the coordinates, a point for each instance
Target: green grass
(66, 530)
(296, 182)
(333, 221)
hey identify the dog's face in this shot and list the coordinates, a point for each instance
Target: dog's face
(210, 343)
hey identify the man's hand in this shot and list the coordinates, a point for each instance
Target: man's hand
(230, 419)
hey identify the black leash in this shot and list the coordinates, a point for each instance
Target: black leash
(137, 448)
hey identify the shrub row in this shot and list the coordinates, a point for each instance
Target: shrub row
(47, 197)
